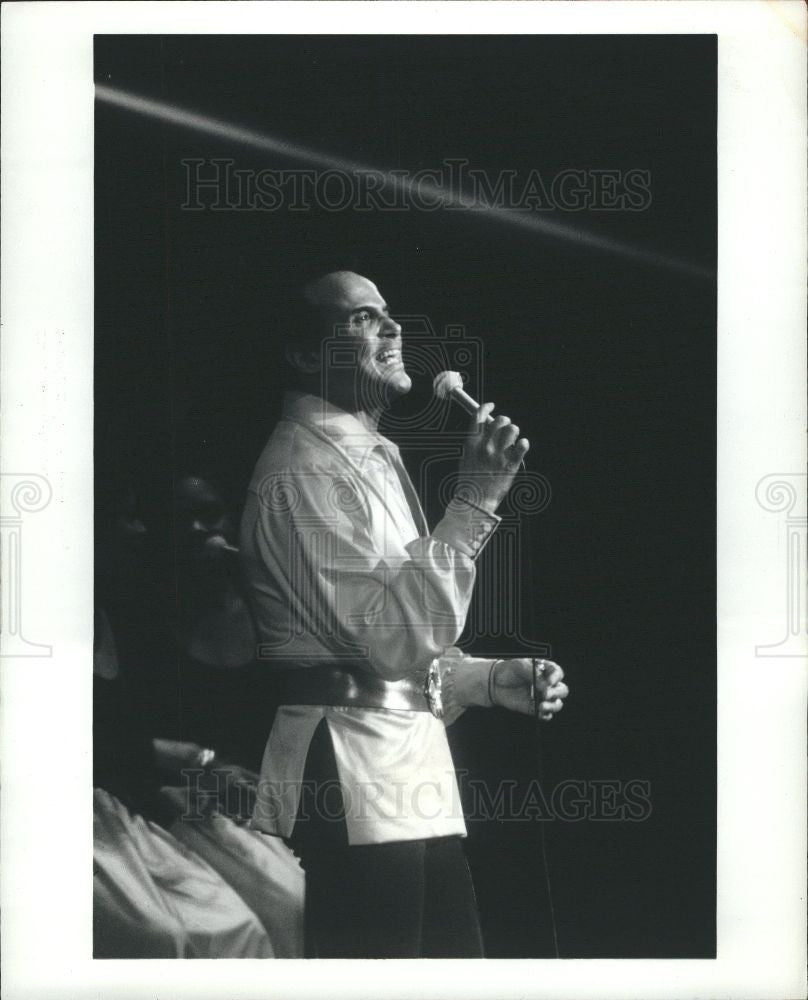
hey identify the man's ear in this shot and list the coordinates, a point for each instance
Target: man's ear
(305, 359)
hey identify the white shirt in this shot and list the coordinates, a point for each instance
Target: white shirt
(340, 565)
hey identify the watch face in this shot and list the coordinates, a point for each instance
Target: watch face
(432, 690)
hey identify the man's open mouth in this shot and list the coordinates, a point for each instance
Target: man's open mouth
(389, 356)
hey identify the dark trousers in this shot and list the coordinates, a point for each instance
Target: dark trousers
(405, 899)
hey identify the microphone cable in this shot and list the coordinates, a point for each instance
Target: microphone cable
(449, 384)
(537, 665)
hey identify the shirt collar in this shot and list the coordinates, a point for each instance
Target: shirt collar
(342, 427)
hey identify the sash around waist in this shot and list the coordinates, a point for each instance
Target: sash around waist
(348, 686)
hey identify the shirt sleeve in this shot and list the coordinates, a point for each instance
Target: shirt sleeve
(392, 606)
(466, 527)
(448, 663)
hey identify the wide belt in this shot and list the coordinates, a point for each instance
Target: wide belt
(354, 687)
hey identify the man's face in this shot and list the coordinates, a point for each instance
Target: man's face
(364, 351)
(200, 514)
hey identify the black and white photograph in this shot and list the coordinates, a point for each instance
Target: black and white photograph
(310, 255)
(405, 450)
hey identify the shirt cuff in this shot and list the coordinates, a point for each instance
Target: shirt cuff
(465, 527)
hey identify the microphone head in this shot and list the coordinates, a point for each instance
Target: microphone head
(445, 382)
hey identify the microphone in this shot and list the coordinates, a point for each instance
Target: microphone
(217, 544)
(449, 385)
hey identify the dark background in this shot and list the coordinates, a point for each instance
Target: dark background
(607, 363)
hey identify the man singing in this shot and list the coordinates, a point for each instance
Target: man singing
(358, 606)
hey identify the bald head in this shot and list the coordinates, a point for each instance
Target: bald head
(339, 293)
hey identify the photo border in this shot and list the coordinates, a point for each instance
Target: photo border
(47, 420)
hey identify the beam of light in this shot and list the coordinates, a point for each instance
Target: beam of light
(184, 118)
